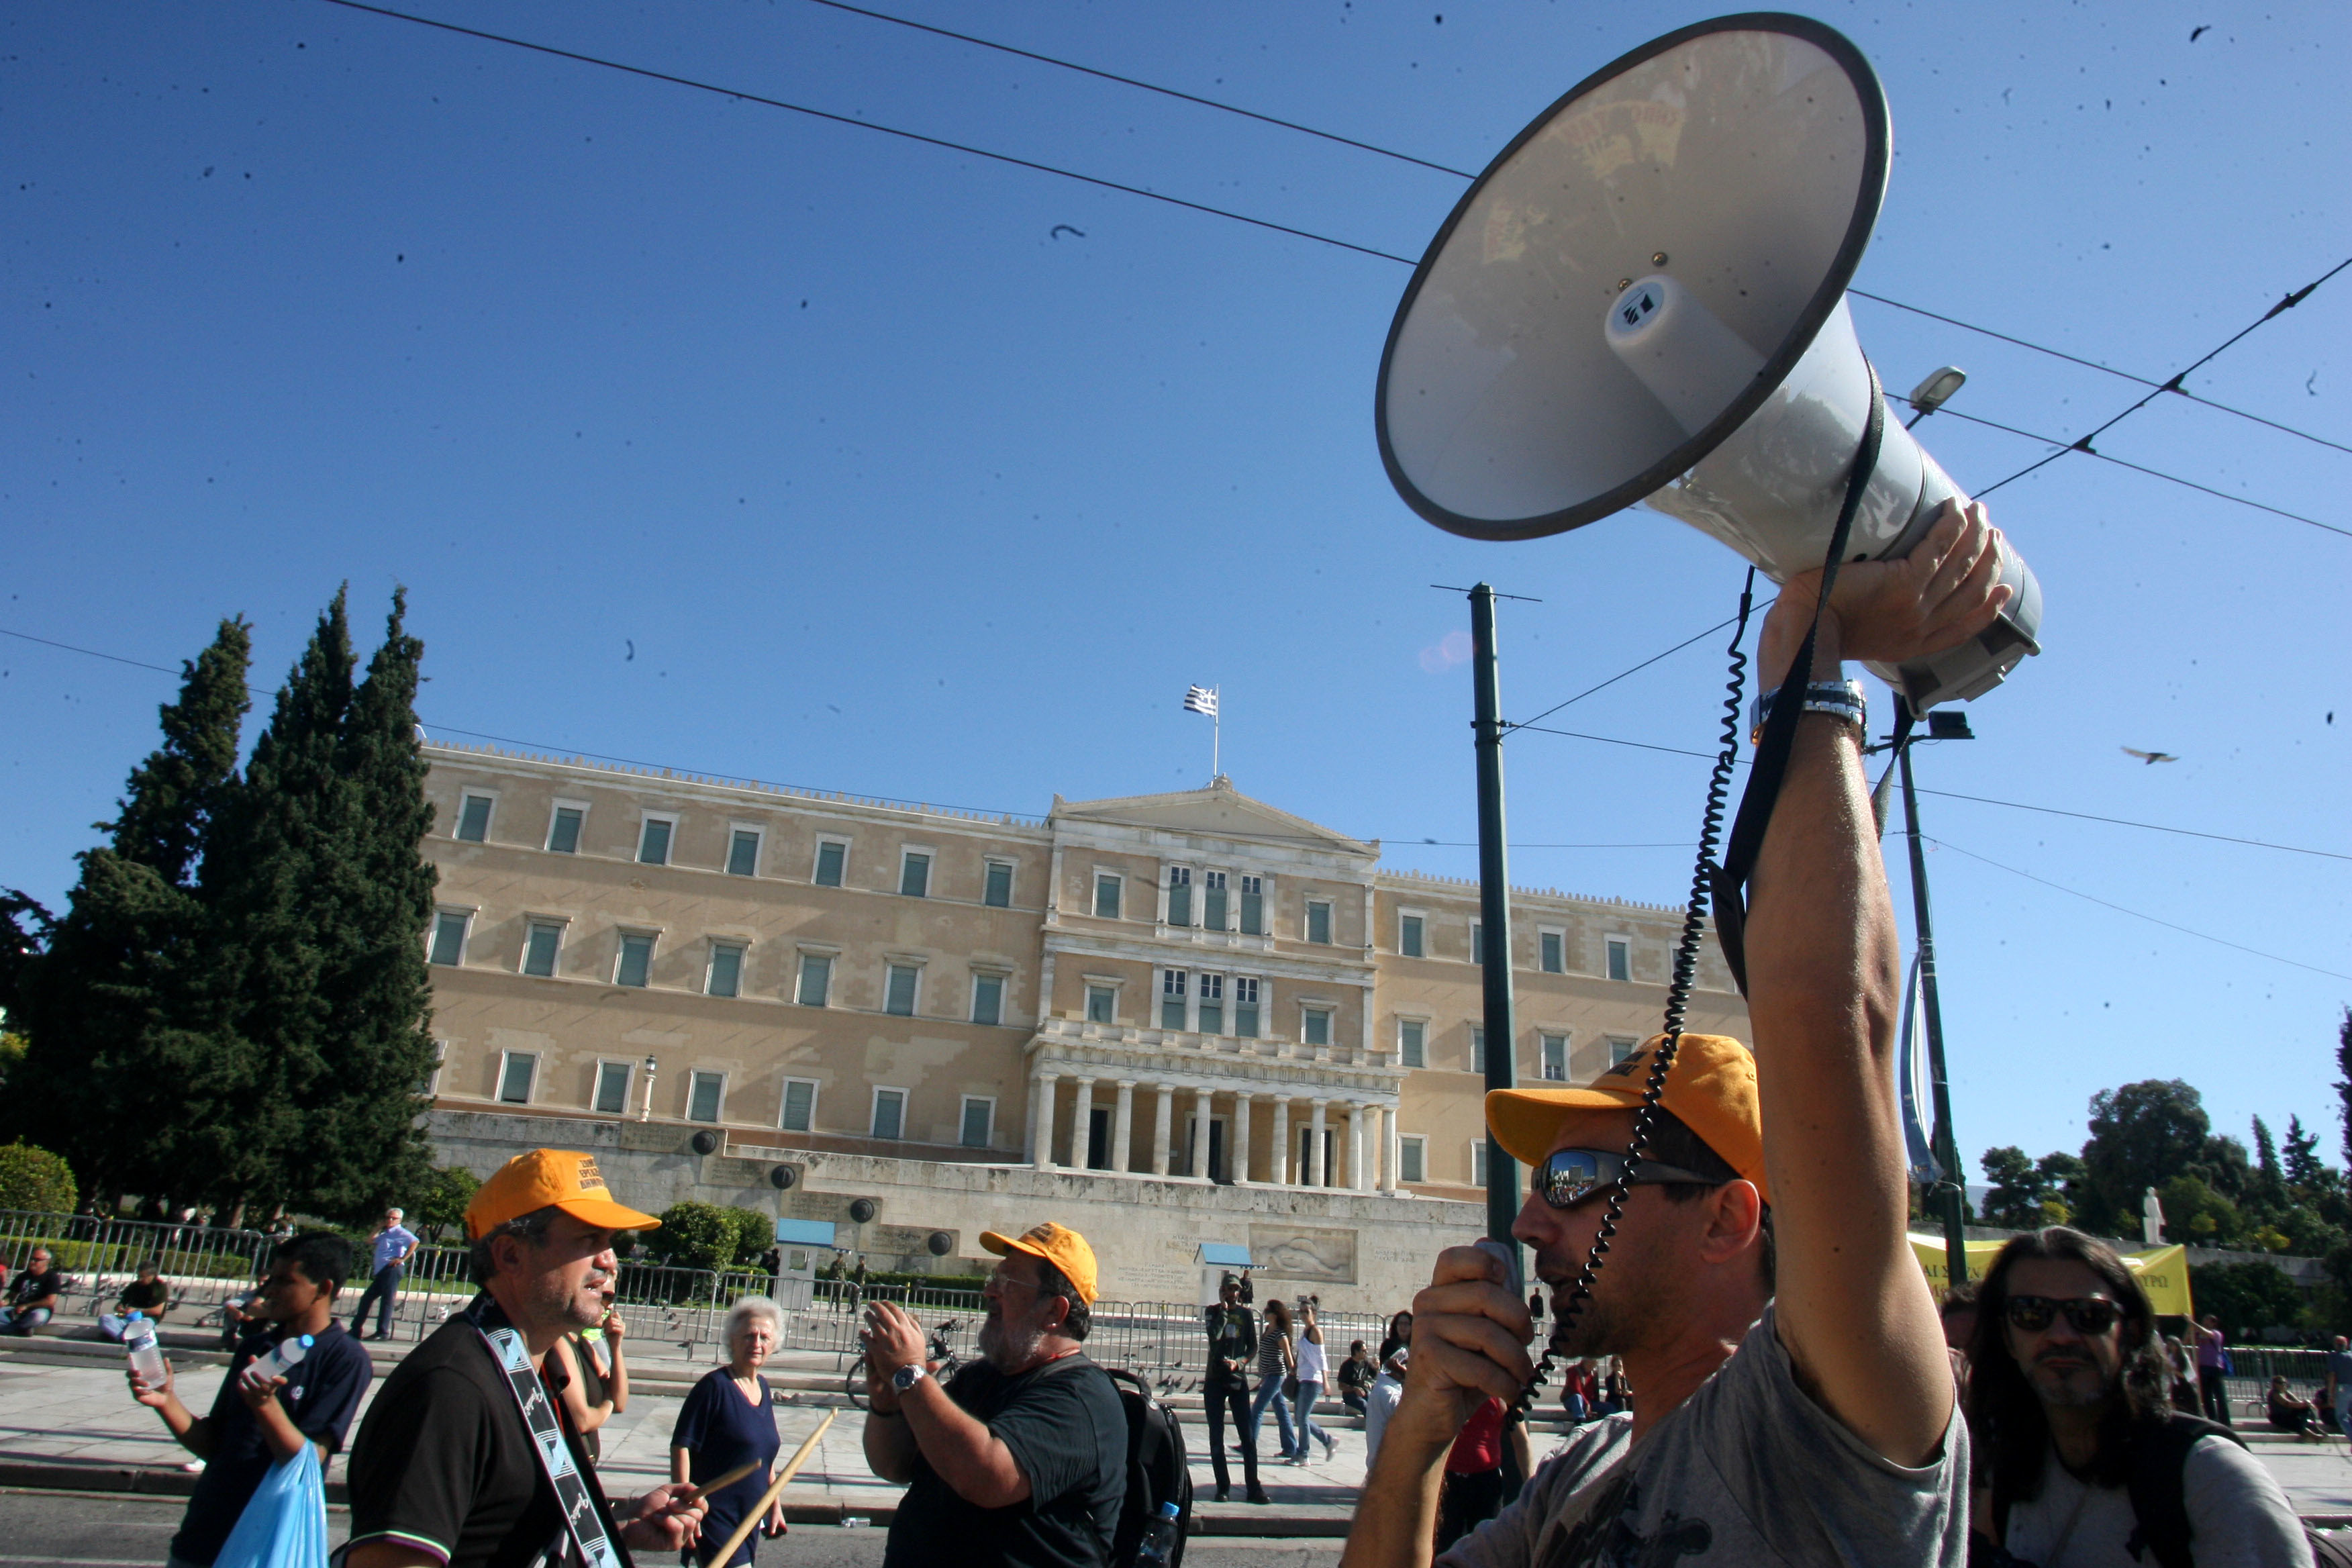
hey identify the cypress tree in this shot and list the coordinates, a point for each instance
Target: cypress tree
(125, 1074)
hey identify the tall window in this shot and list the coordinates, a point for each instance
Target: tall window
(1102, 1004)
(1412, 1159)
(1554, 958)
(1477, 943)
(1212, 1004)
(1413, 1043)
(515, 1075)
(1620, 959)
(1554, 1051)
(1408, 935)
(816, 979)
(915, 875)
(474, 819)
(996, 890)
(799, 1115)
(1315, 1027)
(563, 830)
(1212, 900)
(1179, 895)
(1477, 1048)
(898, 989)
(652, 841)
(1171, 999)
(830, 855)
(1252, 905)
(743, 852)
(539, 947)
(448, 938)
(1245, 1006)
(726, 969)
(1319, 921)
(978, 1120)
(1107, 891)
(890, 1113)
(704, 1092)
(1621, 1047)
(988, 998)
(636, 962)
(1478, 1163)
(612, 1087)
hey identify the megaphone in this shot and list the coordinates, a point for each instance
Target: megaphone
(1642, 299)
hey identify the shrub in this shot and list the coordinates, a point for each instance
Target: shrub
(695, 1235)
(2247, 1296)
(754, 1234)
(443, 1201)
(32, 1178)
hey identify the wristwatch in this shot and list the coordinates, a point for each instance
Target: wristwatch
(1839, 699)
(905, 1377)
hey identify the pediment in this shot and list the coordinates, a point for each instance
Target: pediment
(1220, 811)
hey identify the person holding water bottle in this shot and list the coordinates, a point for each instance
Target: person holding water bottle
(295, 1378)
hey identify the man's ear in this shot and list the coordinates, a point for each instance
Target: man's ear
(1734, 1214)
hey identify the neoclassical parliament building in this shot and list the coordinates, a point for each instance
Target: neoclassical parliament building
(1192, 1000)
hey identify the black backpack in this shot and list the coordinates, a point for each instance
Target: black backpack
(1157, 1470)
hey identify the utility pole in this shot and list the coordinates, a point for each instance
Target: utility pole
(1950, 1194)
(1494, 908)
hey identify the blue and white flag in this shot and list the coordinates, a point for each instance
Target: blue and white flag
(1201, 699)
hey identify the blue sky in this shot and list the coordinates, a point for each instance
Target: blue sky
(888, 487)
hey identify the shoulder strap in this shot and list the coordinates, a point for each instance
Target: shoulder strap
(2157, 1456)
(583, 1513)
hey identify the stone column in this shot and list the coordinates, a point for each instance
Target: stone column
(1041, 1122)
(1082, 1118)
(1200, 1134)
(1280, 1174)
(1239, 1157)
(1355, 1182)
(1159, 1124)
(1386, 1123)
(1316, 1174)
(1122, 1145)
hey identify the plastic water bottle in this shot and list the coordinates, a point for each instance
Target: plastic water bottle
(281, 1358)
(1158, 1547)
(139, 1340)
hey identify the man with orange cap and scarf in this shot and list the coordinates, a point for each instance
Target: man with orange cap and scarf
(1791, 1398)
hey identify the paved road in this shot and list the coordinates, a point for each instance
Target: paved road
(81, 1530)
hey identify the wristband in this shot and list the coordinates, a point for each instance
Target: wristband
(1839, 699)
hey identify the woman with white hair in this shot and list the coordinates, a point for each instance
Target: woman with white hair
(727, 1420)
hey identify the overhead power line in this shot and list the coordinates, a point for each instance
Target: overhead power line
(965, 148)
(2077, 893)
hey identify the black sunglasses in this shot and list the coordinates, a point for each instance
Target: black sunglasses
(1568, 1176)
(2084, 1314)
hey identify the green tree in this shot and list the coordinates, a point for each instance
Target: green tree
(2014, 1197)
(124, 1069)
(2194, 1213)
(2247, 1296)
(697, 1235)
(2344, 1083)
(754, 1234)
(33, 1178)
(2269, 1180)
(2302, 1166)
(2142, 1135)
(24, 931)
(442, 1200)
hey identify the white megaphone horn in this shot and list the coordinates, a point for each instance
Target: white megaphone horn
(1642, 299)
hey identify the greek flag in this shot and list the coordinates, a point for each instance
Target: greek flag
(1201, 699)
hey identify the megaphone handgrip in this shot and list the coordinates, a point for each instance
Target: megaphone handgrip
(1780, 726)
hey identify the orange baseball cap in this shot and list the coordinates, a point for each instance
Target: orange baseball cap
(1063, 1247)
(550, 1178)
(1711, 1088)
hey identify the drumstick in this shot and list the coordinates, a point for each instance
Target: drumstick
(784, 1478)
(728, 1480)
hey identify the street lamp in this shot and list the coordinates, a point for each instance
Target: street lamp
(647, 1113)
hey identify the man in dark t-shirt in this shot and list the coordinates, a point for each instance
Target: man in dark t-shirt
(446, 1472)
(256, 1421)
(1020, 1461)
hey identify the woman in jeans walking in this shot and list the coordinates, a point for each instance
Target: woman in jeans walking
(1311, 1374)
(1276, 1359)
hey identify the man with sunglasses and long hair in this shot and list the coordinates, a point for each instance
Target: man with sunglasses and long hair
(1792, 1399)
(2082, 1459)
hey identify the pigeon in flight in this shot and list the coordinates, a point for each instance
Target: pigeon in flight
(2151, 758)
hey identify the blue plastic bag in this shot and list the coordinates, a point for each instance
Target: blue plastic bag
(285, 1525)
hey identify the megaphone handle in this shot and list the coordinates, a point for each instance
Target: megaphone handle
(1730, 877)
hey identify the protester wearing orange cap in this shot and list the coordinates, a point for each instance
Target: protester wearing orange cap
(1816, 1425)
(464, 1459)
(1021, 1459)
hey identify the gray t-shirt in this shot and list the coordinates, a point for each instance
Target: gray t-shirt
(1749, 1471)
(2238, 1517)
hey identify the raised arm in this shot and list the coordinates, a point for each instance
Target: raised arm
(1824, 961)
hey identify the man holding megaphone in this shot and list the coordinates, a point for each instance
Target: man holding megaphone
(1792, 1401)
